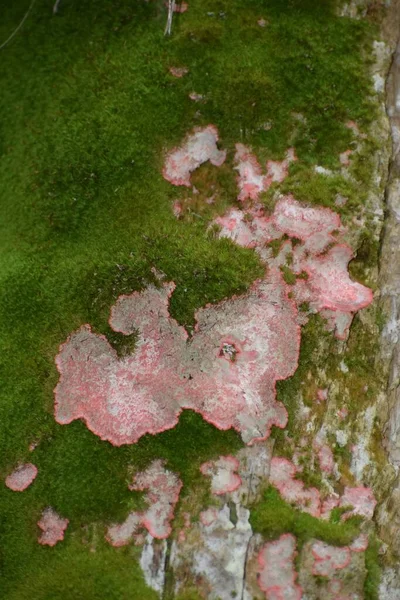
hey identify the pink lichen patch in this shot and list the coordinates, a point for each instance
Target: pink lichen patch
(22, 477)
(353, 126)
(177, 209)
(362, 500)
(344, 158)
(329, 283)
(53, 527)
(329, 559)
(209, 516)
(306, 223)
(282, 476)
(198, 148)
(328, 505)
(196, 97)
(360, 544)
(277, 577)
(322, 395)
(163, 488)
(277, 171)
(251, 180)
(262, 22)
(343, 413)
(123, 533)
(178, 71)
(163, 493)
(122, 399)
(325, 458)
(223, 473)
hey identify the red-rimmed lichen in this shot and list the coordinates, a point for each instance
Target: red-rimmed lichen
(122, 399)
(21, 477)
(163, 489)
(53, 527)
(198, 148)
(277, 577)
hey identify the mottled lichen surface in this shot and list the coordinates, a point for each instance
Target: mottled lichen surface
(88, 220)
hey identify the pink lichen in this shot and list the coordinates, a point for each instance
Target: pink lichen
(282, 476)
(163, 493)
(53, 527)
(196, 97)
(198, 148)
(328, 505)
(121, 534)
(22, 477)
(329, 285)
(262, 22)
(223, 473)
(251, 180)
(163, 489)
(306, 223)
(122, 399)
(177, 209)
(360, 544)
(325, 458)
(178, 71)
(329, 559)
(344, 158)
(209, 516)
(277, 577)
(362, 500)
(343, 413)
(277, 171)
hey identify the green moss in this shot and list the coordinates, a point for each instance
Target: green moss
(85, 214)
(373, 566)
(273, 516)
(74, 571)
(288, 275)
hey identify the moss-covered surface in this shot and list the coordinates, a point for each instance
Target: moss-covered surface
(88, 109)
(272, 517)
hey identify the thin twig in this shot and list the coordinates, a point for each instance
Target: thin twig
(4, 44)
(55, 7)
(171, 10)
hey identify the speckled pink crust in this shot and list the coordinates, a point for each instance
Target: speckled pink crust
(223, 473)
(227, 371)
(198, 148)
(162, 496)
(122, 534)
(277, 577)
(360, 544)
(163, 493)
(208, 517)
(22, 477)
(251, 180)
(326, 286)
(282, 476)
(329, 285)
(329, 559)
(328, 505)
(178, 71)
(325, 458)
(362, 500)
(53, 527)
